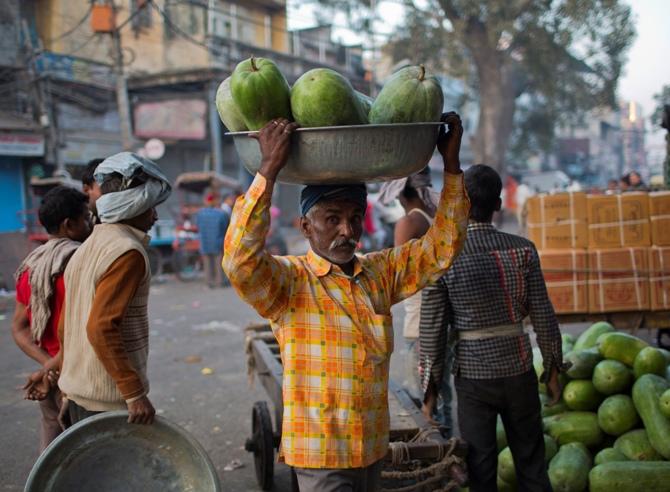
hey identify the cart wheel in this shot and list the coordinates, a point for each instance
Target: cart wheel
(263, 445)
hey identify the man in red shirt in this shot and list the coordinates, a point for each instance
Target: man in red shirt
(40, 291)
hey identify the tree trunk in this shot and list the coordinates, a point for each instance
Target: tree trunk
(497, 104)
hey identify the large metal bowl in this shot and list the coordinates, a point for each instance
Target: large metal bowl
(106, 454)
(348, 154)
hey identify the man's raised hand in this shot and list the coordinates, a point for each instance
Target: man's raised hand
(449, 142)
(274, 140)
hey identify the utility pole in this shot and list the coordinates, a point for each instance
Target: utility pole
(44, 104)
(121, 87)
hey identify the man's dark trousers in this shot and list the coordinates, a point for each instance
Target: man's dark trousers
(516, 399)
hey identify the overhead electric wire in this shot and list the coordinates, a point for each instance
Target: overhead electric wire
(181, 32)
(73, 29)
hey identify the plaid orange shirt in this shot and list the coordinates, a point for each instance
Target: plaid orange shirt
(334, 331)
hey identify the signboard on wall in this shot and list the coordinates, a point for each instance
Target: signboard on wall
(180, 119)
(75, 69)
(21, 144)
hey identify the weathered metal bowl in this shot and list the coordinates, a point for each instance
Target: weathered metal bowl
(106, 454)
(348, 154)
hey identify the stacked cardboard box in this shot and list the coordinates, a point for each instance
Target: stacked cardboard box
(618, 280)
(566, 275)
(558, 221)
(604, 253)
(659, 277)
(618, 221)
(659, 215)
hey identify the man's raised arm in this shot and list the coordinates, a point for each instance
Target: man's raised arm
(419, 262)
(260, 279)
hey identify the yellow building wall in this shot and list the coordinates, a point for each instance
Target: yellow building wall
(56, 17)
(280, 37)
(149, 50)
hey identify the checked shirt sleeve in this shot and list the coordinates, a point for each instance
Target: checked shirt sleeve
(419, 262)
(543, 318)
(433, 333)
(260, 279)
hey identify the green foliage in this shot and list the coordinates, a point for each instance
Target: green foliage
(661, 99)
(565, 56)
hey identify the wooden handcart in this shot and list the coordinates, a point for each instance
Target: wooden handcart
(419, 458)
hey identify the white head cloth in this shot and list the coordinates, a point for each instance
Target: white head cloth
(130, 202)
(419, 181)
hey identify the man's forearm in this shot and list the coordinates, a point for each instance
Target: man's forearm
(25, 342)
(113, 294)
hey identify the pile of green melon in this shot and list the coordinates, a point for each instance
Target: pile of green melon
(611, 429)
(257, 92)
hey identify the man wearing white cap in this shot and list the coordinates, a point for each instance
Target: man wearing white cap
(104, 331)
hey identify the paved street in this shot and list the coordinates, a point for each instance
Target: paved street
(192, 328)
(188, 323)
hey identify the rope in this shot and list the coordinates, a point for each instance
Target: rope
(425, 476)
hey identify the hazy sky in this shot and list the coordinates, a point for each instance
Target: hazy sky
(648, 69)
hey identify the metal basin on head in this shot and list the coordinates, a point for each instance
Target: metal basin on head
(348, 154)
(106, 454)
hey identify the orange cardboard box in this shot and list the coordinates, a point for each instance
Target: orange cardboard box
(618, 280)
(558, 221)
(618, 221)
(659, 215)
(659, 277)
(566, 275)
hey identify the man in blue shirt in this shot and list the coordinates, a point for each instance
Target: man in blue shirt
(212, 224)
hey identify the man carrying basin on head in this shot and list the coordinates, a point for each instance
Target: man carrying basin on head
(105, 327)
(330, 310)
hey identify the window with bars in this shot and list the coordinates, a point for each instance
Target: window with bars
(143, 19)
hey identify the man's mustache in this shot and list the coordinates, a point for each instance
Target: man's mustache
(343, 242)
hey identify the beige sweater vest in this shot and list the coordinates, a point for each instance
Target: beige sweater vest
(83, 377)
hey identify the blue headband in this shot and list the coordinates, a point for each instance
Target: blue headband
(313, 194)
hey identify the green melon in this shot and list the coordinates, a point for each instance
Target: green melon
(635, 446)
(617, 415)
(630, 476)
(568, 342)
(539, 368)
(506, 470)
(549, 410)
(574, 427)
(666, 354)
(620, 346)
(260, 91)
(501, 437)
(550, 448)
(569, 470)
(323, 97)
(608, 455)
(504, 486)
(647, 392)
(649, 361)
(583, 362)
(664, 401)
(366, 102)
(580, 394)
(589, 337)
(228, 110)
(612, 376)
(409, 96)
